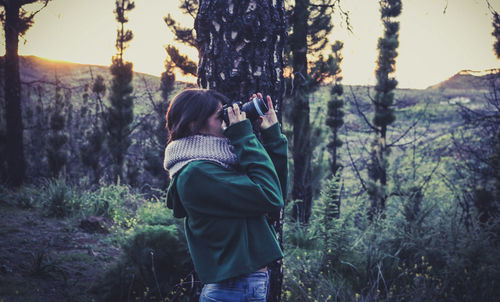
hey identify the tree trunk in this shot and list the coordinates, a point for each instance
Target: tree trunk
(15, 153)
(240, 46)
(301, 190)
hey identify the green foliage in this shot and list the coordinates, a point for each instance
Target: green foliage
(182, 62)
(417, 253)
(42, 264)
(117, 202)
(24, 197)
(154, 212)
(154, 266)
(58, 198)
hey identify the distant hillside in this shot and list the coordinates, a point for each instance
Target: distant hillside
(35, 69)
(469, 80)
(39, 77)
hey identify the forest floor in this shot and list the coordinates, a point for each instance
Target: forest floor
(49, 259)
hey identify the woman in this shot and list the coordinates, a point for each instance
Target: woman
(224, 182)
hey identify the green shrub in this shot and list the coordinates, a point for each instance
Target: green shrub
(155, 266)
(117, 202)
(155, 212)
(23, 197)
(58, 198)
(421, 251)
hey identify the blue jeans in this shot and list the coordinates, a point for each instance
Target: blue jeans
(251, 287)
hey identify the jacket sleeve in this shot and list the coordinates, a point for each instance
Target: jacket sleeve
(276, 146)
(206, 188)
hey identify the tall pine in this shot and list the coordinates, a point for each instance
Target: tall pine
(120, 115)
(330, 195)
(335, 120)
(383, 106)
(91, 149)
(57, 154)
(16, 22)
(310, 24)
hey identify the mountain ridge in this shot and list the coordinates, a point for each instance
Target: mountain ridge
(38, 69)
(470, 80)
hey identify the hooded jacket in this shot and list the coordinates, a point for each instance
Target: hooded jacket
(225, 209)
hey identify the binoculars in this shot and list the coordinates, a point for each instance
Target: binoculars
(254, 108)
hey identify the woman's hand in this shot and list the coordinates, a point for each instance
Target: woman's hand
(235, 115)
(270, 117)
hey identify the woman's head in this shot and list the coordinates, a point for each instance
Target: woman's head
(192, 110)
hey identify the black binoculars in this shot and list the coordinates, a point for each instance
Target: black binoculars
(254, 108)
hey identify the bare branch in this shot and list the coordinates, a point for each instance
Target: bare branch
(45, 2)
(428, 177)
(361, 113)
(352, 162)
(419, 117)
(189, 9)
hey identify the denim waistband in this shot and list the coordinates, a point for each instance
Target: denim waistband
(240, 281)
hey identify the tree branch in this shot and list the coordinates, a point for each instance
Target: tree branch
(352, 162)
(411, 127)
(361, 113)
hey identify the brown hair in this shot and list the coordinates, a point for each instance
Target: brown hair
(191, 105)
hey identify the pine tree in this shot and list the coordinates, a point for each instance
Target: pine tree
(383, 103)
(36, 138)
(91, 149)
(57, 155)
(119, 115)
(335, 113)
(156, 126)
(335, 120)
(310, 24)
(16, 21)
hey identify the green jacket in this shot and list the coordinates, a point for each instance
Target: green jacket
(226, 227)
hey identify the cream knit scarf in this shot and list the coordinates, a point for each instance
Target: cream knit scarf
(182, 151)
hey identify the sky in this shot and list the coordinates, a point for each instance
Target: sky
(438, 38)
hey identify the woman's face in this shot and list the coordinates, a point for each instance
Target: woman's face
(213, 125)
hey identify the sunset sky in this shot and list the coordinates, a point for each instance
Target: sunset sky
(434, 44)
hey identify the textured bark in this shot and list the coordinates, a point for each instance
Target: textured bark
(15, 152)
(301, 190)
(240, 46)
